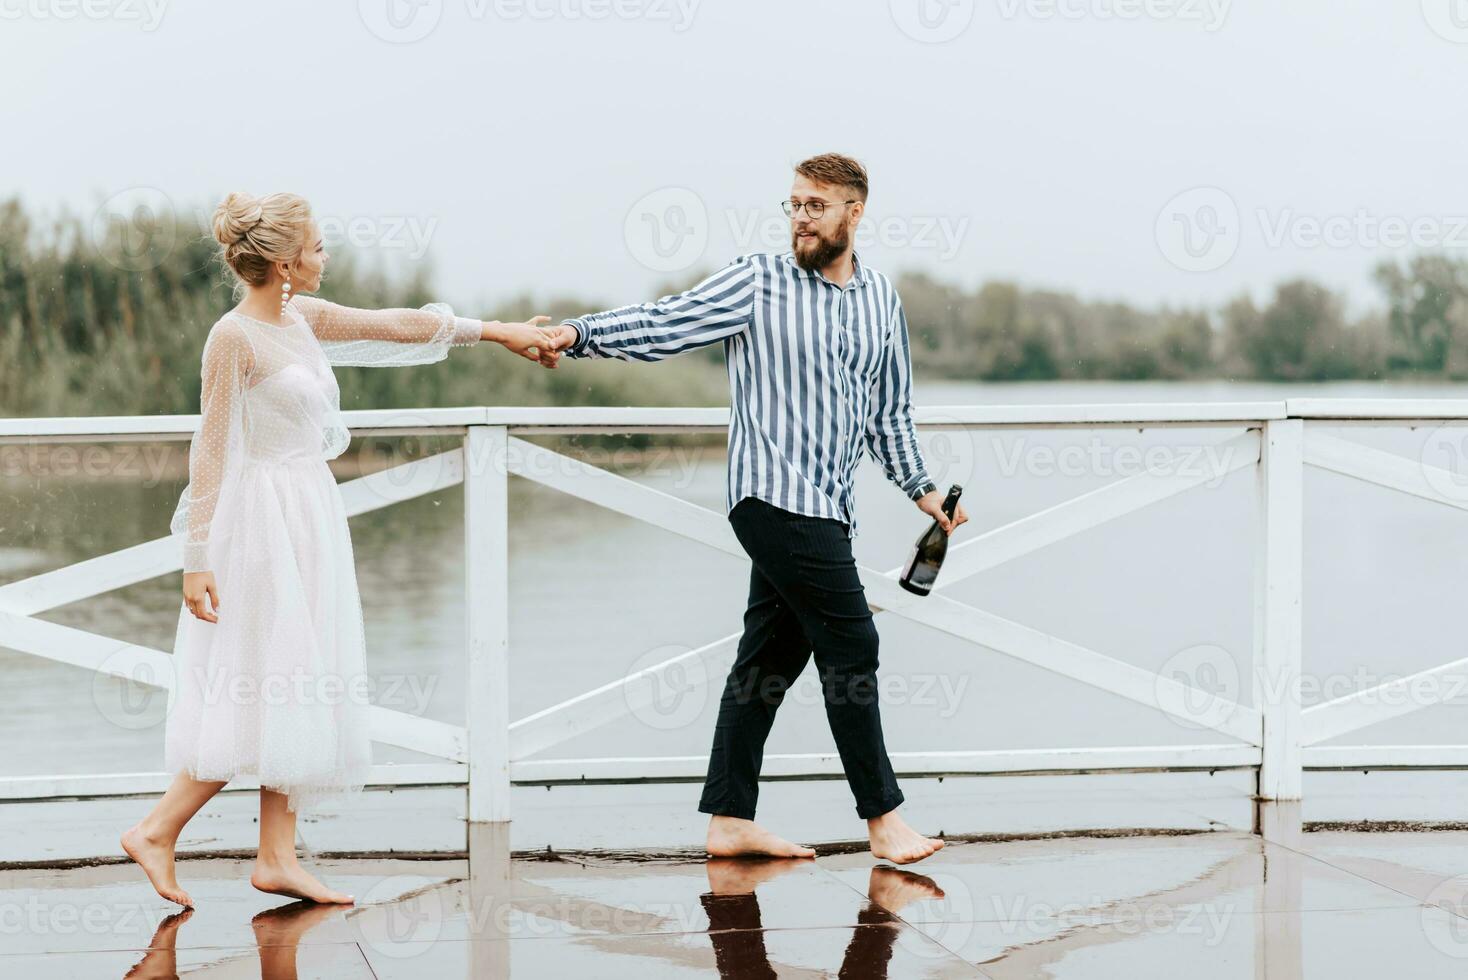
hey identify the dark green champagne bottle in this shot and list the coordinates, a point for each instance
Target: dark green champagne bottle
(921, 570)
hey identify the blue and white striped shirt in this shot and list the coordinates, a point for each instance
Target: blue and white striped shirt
(816, 372)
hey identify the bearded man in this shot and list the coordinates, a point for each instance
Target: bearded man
(816, 347)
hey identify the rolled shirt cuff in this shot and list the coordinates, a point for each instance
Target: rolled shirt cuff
(578, 349)
(918, 486)
(467, 332)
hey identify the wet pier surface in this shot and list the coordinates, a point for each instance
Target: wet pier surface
(1204, 905)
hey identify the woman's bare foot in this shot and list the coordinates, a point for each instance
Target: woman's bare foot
(739, 876)
(895, 841)
(734, 837)
(894, 890)
(293, 880)
(154, 854)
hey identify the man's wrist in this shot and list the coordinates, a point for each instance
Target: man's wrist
(923, 489)
(578, 337)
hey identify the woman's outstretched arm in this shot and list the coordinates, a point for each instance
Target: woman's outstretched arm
(401, 337)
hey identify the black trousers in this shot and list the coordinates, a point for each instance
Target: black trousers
(804, 597)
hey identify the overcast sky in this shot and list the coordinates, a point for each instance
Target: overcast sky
(1150, 150)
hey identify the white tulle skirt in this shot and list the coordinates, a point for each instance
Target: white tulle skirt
(277, 688)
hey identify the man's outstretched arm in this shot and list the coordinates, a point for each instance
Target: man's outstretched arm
(719, 307)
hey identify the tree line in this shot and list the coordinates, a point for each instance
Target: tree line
(114, 321)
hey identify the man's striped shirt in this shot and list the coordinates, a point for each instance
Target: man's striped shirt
(816, 372)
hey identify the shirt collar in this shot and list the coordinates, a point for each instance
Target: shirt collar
(860, 274)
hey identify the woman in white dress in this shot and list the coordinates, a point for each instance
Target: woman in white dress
(275, 686)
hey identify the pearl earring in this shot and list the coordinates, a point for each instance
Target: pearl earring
(285, 294)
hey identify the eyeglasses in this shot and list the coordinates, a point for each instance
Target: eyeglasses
(813, 209)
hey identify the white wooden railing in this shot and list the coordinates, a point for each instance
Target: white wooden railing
(1274, 735)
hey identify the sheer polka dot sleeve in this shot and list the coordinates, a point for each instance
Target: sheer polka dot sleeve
(218, 440)
(386, 338)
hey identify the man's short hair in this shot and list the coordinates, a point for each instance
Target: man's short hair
(838, 169)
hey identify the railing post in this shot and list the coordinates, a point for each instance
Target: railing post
(487, 621)
(1277, 621)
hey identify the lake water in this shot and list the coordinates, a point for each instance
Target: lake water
(595, 595)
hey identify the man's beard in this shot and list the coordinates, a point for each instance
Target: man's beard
(823, 253)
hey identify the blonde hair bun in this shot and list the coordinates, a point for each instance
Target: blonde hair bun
(254, 233)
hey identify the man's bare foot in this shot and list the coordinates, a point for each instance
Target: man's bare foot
(894, 890)
(155, 856)
(291, 879)
(739, 876)
(895, 841)
(733, 837)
